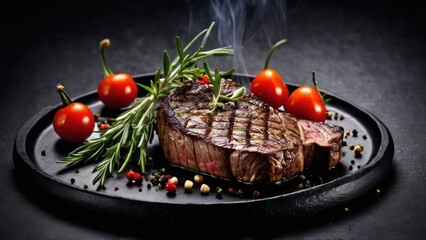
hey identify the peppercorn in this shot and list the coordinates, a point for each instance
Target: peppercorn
(72, 180)
(204, 189)
(308, 183)
(163, 180)
(43, 153)
(174, 180)
(219, 192)
(198, 179)
(188, 185)
(240, 193)
(358, 149)
(256, 194)
(170, 187)
(347, 133)
(137, 177)
(104, 126)
(130, 175)
(355, 133)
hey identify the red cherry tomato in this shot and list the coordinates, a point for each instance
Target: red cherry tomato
(117, 90)
(306, 103)
(75, 122)
(269, 86)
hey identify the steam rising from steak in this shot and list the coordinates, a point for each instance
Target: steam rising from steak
(248, 141)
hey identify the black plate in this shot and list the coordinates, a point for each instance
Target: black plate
(37, 148)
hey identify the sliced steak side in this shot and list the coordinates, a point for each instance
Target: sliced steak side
(248, 140)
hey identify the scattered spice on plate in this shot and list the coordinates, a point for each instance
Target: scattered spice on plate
(204, 189)
(188, 185)
(72, 180)
(198, 179)
(336, 116)
(85, 186)
(256, 194)
(347, 133)
(43, 153)
(358, 149)
(219, 191)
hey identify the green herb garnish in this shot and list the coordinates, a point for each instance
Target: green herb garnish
(216, 81)
(133, 129)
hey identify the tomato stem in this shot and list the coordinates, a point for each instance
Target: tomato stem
(273, 48)
(317, 88)
(65, 99)
(102, 45)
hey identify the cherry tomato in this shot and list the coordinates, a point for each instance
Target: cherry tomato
(115, 90)
(269, 86)
(306, 103)
(75, 121)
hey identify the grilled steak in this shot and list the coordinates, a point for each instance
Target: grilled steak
(248, 141)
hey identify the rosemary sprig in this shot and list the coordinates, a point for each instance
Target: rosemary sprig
(133, 129)
(216, 81)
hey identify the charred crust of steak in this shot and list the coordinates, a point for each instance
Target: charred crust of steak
(248, 141)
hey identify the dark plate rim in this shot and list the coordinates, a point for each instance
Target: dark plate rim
(323, 195)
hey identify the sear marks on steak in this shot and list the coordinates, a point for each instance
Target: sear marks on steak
(248, 141)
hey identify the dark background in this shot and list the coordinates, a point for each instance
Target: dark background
(371, 53)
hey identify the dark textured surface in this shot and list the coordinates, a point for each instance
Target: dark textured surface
(370, 53)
